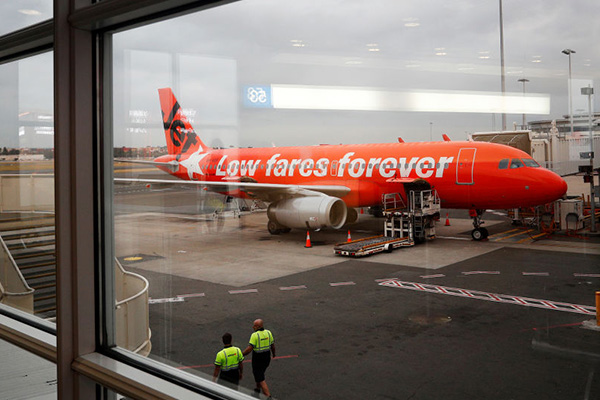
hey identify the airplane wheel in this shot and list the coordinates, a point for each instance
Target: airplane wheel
(478, 234)
(273, 228)
(485, 232)
(286, 230)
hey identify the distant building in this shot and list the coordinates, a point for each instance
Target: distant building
(580, 125)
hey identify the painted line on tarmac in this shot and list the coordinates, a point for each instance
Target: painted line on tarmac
(481, 273)
(552, 327)
(495, 297)
(587, 275)
(191, 295)
(383, 280)
(503, 233)
(432, 276)
(166, 300)
(293, 287)
(513, 235)
(535, 273)
(342, 284)
(245, 361)
(454, 238)
(243, 291)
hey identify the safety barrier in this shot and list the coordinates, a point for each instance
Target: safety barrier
(14, 291)
(132, 311)
(32, 192)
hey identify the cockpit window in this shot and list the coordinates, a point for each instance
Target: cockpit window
(503, 163)
(530, 162)
(516, 163)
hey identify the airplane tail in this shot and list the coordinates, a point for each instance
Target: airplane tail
(181, 137)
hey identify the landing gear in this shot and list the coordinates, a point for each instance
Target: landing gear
(478, 233)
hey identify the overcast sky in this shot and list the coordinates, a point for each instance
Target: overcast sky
(433, 45)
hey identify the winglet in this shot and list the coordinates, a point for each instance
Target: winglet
(446, 138)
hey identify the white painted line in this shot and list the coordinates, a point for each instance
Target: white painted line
(342, 284)
(243, 291)
(166, 300)
(536, 274)
(191, 295)
(481, 272)
(383, 280)
(293, 287)
(453, 238)
(495, 297)
(587, 275)
(432, 276)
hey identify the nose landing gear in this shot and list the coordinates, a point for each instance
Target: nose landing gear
(478, 233)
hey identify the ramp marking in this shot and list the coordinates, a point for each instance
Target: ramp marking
(495, 297)
(293, 287)
(342, 284)
(243, 291)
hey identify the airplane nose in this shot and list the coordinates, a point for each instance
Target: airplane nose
(557, 186)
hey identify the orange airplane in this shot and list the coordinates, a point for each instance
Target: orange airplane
(320, 186)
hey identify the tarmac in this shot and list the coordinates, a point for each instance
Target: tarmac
(341, 332)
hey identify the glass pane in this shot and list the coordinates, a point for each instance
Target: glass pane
(15, 15)
(232, 195)
(27, 186)
(24, 375)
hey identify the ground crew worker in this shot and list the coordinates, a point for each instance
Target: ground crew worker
(228, 364)
(261, 345)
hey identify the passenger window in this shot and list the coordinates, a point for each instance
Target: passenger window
(530, 162)
(516, 163)
(503, 164)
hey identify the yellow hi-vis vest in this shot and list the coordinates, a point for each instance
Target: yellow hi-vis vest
(261, 341)
(229, 358)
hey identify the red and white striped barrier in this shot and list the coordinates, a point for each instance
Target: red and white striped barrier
(498, 298)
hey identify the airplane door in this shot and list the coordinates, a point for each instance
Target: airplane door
(464, 166)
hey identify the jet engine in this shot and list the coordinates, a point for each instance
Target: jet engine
(313, 212)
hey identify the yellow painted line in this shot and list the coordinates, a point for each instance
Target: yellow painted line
(503, 233)
(516, 234)
(531, 238)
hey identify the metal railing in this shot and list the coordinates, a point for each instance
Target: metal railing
(131, 311)
(27, 192)
(14, 290)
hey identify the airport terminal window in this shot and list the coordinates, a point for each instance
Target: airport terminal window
(16, 15)
(199, 259)
(28, 278)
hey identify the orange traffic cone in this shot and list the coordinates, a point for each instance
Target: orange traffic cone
(307, 240)
(349, 237)
(447, 220)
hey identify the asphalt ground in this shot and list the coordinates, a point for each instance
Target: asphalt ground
(340, 334)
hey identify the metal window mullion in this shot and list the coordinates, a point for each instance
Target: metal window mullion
(26, 42)
(75, 202)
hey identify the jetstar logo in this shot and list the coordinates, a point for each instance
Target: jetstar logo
(401, 167)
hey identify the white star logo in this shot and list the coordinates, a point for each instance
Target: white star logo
(192, 163)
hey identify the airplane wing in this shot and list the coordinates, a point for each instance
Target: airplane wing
(173, 165)
(264, 191)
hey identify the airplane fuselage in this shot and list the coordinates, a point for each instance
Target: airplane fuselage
(470, 175)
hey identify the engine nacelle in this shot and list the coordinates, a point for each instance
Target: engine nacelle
(313, 212)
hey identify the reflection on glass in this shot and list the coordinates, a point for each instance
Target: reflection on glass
(27, 248)
(15, 15)
(307, 73)
(24, 375)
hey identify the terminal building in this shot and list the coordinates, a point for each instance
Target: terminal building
(113, 290)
